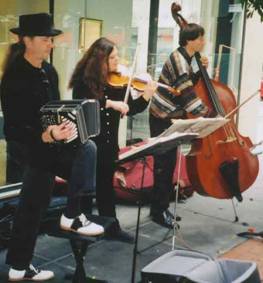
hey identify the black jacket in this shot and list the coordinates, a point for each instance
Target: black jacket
(110, 119)
(24, 90)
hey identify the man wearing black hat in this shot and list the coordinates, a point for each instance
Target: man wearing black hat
(28, 83)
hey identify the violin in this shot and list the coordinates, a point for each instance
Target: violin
(119, 81)
(220, 165)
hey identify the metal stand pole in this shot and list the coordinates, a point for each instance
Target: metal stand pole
(135, 249)
(177, 187)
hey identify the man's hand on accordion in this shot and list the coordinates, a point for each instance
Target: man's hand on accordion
(66, 131)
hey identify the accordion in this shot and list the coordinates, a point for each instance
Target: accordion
(84, 113)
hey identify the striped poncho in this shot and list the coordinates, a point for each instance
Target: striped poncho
(178, 72)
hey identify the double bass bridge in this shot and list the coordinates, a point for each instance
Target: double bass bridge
(227, 140)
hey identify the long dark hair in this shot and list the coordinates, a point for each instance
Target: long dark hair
(14, 51)
(92, 69)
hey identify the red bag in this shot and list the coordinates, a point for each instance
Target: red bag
(127, 180)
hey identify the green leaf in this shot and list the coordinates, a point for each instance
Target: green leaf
(252, 6)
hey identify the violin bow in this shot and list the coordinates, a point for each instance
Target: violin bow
(126, 97)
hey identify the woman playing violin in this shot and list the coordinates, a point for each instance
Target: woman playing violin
(89, 80)
(178, 72)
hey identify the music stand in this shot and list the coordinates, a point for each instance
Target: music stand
(158, 146)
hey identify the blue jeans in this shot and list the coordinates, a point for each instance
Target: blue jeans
(75, 164)
(82, 180)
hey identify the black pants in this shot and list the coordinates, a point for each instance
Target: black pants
(15, 164)
(77, 165)
(105, 194)
(164, 166)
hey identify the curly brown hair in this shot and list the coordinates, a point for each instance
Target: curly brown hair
(92, 69)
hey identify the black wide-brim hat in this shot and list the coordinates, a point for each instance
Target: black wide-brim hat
(36, 25)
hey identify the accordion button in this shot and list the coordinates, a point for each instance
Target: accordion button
(101, 108)
(108, 123)
(106, 96)
(108, 114)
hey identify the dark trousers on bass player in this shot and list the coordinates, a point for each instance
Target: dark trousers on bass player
(76, 164)
(164, 166)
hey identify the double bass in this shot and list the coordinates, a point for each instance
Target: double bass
(220, 165)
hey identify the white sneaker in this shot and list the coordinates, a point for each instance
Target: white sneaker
(31, 274)
(81, 225)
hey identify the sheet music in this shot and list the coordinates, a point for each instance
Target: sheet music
(202, 126)
(160, 140)
(181, 131)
